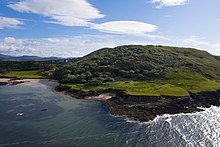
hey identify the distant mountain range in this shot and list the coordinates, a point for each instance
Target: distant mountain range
(26, 58)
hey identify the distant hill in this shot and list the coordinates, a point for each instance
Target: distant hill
(26, 58)
(140, 63)
(2, 57)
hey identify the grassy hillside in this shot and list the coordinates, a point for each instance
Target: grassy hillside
(148, 70)
(176, 84)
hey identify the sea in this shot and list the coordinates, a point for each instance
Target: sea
(34, 114)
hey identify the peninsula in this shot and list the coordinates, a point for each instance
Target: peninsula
(140, 82)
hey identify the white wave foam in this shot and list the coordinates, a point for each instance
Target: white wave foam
(15, 143)
(197, 129)
(200, 129)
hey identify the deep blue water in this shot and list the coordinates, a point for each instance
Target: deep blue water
(84, 123)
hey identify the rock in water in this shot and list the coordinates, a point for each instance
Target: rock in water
(44, 110)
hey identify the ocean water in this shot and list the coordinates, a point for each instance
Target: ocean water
(86, 123)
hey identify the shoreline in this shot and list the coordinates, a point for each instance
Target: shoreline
(15, 81)
(147, 108)
(102, 97)
(137, 108)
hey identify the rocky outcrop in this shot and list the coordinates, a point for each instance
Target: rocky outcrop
(76, 93)
(3, 83)
(10, 81)
(145, 108)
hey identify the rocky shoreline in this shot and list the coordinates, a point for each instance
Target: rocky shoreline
(139, 108)
(15, 81)
(11, 81)
(146, 108)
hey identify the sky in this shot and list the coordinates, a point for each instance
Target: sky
(74, 28)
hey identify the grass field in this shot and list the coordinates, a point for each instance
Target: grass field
(176, 84)
(33, 74)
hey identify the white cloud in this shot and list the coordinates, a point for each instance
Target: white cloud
(125, 27)
(81, 13)
(218, 19)
(81, 45)
(135, 28)
(10, 45)
(165, 3)
(6, 22)
(65, 12)
(200, 43)
(63, 47)
(76, 46)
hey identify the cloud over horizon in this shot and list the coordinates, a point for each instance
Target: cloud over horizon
(79, 46)
(198, 42)
(76, 46)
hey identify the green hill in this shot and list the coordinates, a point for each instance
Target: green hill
(144, 70)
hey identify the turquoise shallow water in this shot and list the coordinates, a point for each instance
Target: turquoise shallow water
(73, 122)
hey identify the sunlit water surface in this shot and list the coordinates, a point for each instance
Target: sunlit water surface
(73, 122)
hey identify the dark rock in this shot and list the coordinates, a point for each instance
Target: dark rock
(15, 82)
(44, 110)
(147, 108)
(76, 93)
(3, 83)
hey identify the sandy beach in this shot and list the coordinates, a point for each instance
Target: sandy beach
(5, 81)
(101, 97)
(18, 80)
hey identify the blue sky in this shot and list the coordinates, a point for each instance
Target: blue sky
(72, 28)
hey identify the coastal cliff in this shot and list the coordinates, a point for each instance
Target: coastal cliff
(146, 108)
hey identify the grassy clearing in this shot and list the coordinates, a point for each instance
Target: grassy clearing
(137, 88)
(149, 88)
(191, 81)
(33, 74)
(177, 84)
